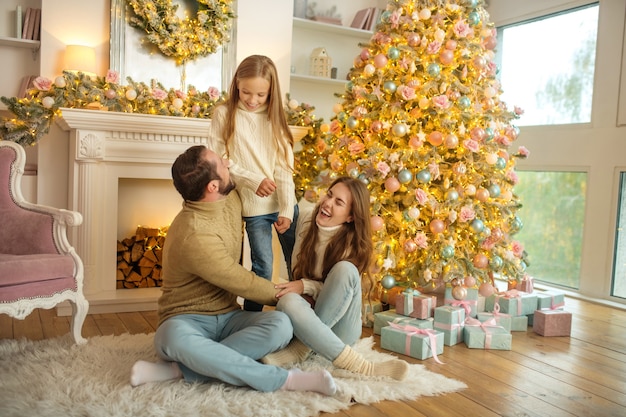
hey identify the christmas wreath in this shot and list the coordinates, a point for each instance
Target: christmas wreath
(183, 39)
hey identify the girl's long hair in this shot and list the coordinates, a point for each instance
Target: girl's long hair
(252, 67)
(353, 242)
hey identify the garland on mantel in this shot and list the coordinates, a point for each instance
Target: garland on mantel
(183, 39)
(35, 113)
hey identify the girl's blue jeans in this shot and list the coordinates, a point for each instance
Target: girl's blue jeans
(335, 321)
(226, 347)
(259, 229)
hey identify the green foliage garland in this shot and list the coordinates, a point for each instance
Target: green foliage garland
(183, 39)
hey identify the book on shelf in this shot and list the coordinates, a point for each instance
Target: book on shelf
(360, 18)
(25, 85)
(18, 22)
(374, 19)
(36, 25)
(27, 21)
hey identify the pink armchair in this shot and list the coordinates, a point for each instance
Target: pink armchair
(38, 266)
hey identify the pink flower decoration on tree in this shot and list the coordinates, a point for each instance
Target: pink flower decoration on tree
(112, 77)
(421, 240)
(42, 83)
(517, 248)
(421, 196)
(383, 168)
(471, 145)
(462, 29)
(441, 101)
(214, 93)
(159, 94)
(467, 214)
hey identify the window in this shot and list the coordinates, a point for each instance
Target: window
(547, 66)
(619, 268)
(553, 210)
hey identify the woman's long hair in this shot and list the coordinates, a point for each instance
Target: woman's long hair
(252, 67)
(353, 242)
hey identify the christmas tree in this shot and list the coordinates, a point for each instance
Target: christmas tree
(421, 122)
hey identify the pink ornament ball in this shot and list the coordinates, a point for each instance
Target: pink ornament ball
(392, 184)
(410, 246)
(491, 42)
(486, 289)
(469, 281)
(413, 39)
(480, 261)
(380, 61)
(459, 292)
(377, 223)
(451, 44)
(482, 194)
(377, 126)
(110, 94)
(446, 57)
(195, 109)
(437, 226)
(435, 138)
(365, 54)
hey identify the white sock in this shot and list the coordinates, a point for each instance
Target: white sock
(143, 372)
(318, 381)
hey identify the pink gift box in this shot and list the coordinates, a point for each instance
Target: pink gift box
(552, 322)
(416, 305)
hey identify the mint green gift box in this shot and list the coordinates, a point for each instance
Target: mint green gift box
(519, 323)
(368, 310)
(383, 318)
(502, 319)
(415, 345)
(550, 300)
(478, 335)
(450, 320)
(513, 302)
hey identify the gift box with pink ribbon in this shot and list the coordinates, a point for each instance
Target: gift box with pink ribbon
(552, 322)
(520, 323)
(550, 300)
(383, 318)
(412, 303)
(411, 341)
(486, 335)
(501, 319)
(450, 320)
(526, 284)
(469, 303)
(513, 302)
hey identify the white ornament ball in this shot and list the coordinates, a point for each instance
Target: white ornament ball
(60, 82)
(293, 104)
(131, 94)
(47, 102)
(177, 103)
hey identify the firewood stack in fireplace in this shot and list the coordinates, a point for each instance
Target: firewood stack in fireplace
(139, 259)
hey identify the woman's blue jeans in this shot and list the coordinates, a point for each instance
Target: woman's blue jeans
(259, 229)
(335, 321)
(226, 347)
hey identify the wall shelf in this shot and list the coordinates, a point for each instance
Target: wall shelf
(330, 28)
(318, 80)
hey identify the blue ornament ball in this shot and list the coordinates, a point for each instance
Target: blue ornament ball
(433, 70)
(494, 190)
(354, 173)
(393, 53)
(477, 225)
(464, 102)
(447, 252)
(489, 134)
(452, 195)
(405, 176)
(500, 163)
(352, 122)
(423, 176)
(495, 263)
(390, 87)
(388, 282)
(473, 18)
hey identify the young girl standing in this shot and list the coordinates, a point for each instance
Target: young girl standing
(332, 255)
(250, 129)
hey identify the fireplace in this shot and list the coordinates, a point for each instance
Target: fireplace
(106, 147)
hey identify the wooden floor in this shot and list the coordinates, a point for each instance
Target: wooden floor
(582, 375)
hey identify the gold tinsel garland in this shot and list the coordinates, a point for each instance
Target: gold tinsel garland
(183, 39)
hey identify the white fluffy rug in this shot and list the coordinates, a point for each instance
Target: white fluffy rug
(57, 378)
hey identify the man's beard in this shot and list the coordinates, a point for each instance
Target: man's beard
(226, 188)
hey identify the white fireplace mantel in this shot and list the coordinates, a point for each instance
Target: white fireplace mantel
(104, 147)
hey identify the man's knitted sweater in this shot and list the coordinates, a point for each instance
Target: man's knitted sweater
(201, 270)
(255, 155)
